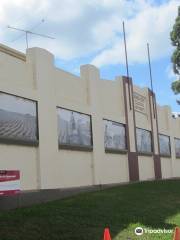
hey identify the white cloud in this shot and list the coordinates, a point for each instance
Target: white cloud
(91, 27)
(153, 25)
(170, 74)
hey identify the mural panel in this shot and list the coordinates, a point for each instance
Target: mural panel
(74, 128)
(164, 142)
(18, 119)
(114, 135)
(144, 141)
(177, 147)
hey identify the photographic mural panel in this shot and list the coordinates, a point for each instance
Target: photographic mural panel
(144, 140)
(164, 142)
(74, 128)
(18, 118)
(177, 147)
(114, 135)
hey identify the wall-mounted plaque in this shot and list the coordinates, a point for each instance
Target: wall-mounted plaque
(114, 135)
(144, 140)
(74, 129)
(139, 103)
(18, 120)
(164, 142)
(177, 147)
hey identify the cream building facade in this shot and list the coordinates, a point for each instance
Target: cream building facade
(46, 166)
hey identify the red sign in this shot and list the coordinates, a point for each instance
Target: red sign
(9, 182)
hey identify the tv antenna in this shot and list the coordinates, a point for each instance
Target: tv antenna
(27, 32)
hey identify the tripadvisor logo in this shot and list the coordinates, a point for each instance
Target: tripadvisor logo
(139, 231)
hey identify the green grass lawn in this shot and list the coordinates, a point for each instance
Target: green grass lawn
(151, 205)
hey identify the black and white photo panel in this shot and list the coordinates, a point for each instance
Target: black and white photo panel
(144, 141)
(18, 119)
(114, 135)
(177, 147)
(74, 128)
(164, 142)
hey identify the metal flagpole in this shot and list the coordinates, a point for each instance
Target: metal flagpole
(151, 80)
(27, 40)
(150, 72)
(127, 68)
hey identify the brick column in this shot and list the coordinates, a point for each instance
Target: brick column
(155, 135)
(130, 129)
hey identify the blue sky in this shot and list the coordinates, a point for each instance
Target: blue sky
(90, 31)
(161, 72)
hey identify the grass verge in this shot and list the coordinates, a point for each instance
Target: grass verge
(150, 205)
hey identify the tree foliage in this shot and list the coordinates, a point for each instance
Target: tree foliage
(175, 40)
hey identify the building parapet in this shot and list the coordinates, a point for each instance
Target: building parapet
(12, 52)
